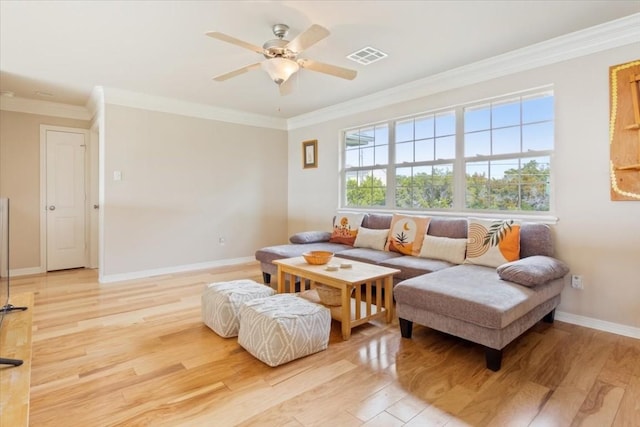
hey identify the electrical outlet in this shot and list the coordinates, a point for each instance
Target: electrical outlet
(221, 241)
(576, 281)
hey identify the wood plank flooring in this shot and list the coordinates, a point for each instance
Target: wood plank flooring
(15, 343)
(136, 353)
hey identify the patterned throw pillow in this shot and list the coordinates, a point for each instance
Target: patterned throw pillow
(492, 242)
(407, 233)
(345, 228)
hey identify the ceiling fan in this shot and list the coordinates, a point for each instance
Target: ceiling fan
(282, 56)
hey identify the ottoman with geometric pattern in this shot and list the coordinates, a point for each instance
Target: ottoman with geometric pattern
(283, 327)
(221, 304)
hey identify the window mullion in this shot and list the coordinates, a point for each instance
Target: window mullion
(459, 165)
(391, 169)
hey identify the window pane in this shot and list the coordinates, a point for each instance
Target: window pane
(505, 114)
(365, 188)
(424, 187)
(424, 127)
(537, 109)
(366, 156)
(381, 154)
(477, 144)
(506, 140)
(424, 150)
(445, 124)
(499, 168)
(381, 134)
(404, 197)
(352, 158)
(446, 148)
(477, 191)
(477, 118)
(404, 152)
(537, 137)
(404, 131)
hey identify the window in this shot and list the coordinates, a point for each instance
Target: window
(366, 161)
(507, 149)
(425, 148)
(488, 156)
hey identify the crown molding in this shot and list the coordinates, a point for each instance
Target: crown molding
(174, 106)
(620, 32)
(44, 108)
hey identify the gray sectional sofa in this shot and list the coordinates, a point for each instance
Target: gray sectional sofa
(485, 305)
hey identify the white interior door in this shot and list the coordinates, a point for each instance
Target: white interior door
(65, 199)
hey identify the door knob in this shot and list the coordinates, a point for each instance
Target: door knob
(52, 208)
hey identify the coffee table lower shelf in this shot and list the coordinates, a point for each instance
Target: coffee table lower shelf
(336, 310)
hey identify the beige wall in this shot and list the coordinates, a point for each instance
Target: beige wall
(598, 238)
(186, 182)
(20, 180)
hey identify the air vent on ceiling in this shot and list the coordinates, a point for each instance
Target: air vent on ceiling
(367, 55)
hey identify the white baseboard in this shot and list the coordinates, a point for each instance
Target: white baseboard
(26, 271)
(111, 278)
(601, 325)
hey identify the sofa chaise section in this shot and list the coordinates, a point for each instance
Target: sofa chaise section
(472, 302)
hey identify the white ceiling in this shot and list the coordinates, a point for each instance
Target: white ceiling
(66, 48)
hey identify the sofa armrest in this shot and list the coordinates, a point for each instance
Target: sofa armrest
(310, 237)
(532, 271)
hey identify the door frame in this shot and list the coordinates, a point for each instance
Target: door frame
(43, 190)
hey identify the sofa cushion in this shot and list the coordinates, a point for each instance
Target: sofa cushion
(371, 238)
(444, 248)
(407, 233)
(345, 228)
(475, 294)
(371, 256)
(272, 253)
(377, 221)
(310, 237)
(532, 271)
(410, 266)
(492, 242)
(456, 228)
(535, 239)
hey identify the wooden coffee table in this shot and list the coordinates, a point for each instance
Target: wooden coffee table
(353, 311)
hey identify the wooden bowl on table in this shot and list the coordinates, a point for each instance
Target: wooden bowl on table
(318, 257)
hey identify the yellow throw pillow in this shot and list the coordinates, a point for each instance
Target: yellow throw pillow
(407, 233)
(492, 242)
(345, 228)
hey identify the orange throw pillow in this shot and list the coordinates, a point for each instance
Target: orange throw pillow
(492, 242)
(345, 228)
(407, 234)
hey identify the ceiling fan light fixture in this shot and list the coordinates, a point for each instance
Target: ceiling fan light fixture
(280, 69)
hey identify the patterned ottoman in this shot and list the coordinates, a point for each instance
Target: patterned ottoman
(283, 327)
(221, 304)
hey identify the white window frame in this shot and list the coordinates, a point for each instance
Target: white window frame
(459, 164)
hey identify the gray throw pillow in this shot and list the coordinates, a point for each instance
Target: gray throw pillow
(532, 271)
(310, 237)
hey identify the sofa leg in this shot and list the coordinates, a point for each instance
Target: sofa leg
(406, 328)
(266, 278)
(493, 358)
(550, 316)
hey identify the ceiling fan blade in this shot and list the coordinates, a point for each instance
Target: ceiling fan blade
(225, 76)
(334, 70)
(237, 42)
(308, 38)
(286, 88)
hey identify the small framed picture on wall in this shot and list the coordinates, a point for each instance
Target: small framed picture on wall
(310, 154)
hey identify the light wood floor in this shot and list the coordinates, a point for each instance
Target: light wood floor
(136, 353)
